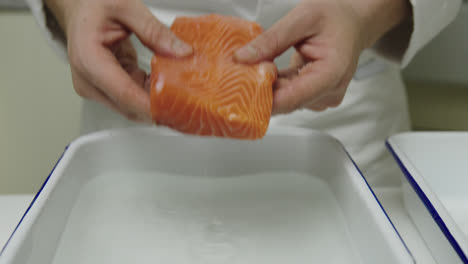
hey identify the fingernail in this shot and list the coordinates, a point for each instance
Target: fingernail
(246, 53)
(181, 48)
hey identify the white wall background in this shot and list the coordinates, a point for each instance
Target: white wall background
(437, 80)
(445, 59)
(39, 112)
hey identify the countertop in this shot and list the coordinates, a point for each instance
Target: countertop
(12, 208)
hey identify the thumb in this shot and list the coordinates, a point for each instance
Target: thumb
(296, 26)
(152, 33)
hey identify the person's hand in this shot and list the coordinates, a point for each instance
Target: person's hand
(102, 59)
(329, 36)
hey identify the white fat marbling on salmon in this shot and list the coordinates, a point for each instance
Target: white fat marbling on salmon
(160, 83)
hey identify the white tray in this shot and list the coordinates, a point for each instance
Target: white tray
(435, 187)
(154, 196)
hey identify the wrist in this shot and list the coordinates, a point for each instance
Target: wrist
(378, 17)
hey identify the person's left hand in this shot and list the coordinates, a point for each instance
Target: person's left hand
(329, 36)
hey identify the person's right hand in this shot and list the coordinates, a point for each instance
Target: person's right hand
(102, 59)
(329, 37)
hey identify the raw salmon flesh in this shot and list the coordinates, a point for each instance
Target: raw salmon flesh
(208, 94)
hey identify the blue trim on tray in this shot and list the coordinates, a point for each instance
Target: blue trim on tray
(381, 207)
(429, 206)
(34, 199)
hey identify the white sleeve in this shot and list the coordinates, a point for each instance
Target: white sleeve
(429, 17)
(49, 27)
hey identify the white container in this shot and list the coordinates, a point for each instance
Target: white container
(154, 196)
(435, 188)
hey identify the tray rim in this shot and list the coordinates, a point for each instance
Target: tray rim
(273, 130)
(421, 189)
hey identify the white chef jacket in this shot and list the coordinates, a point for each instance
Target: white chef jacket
(374, 107)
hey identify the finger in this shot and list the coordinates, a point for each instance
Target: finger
(296, 63)
(124, 51)
(100, 97)
(147, 83)
(152, 33)
(105, 72)
(335, 100)
(311, 85)
(126, 55)
(89, 91)
(329, 101)
(138, 76)
(289, 30)
(268, 68)
(297, 60)
(318, 107)
(288, 73)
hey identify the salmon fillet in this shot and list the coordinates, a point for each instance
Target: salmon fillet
(208, 94)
